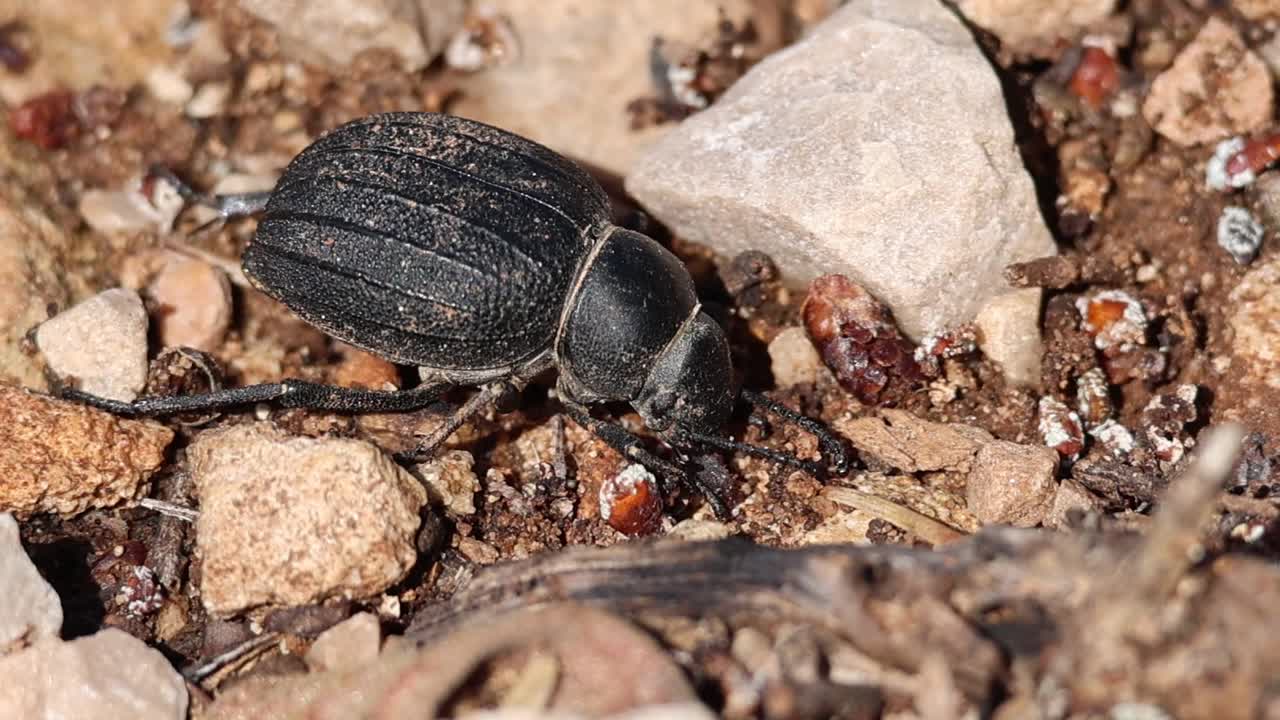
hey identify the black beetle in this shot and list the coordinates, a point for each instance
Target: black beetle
(484, 259)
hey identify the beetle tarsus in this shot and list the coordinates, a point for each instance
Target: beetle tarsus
(288, 394)
(832, 447)
(781, 458)
(489, 395)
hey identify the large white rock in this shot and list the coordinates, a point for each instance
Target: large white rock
(878, 147)
(31, 610)
(334, 32)
(108, 675)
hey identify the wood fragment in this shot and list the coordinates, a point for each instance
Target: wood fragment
(1058, 272)
(884, 599)
(1096, 616)
(243, 651)
(172, 510)
(1173, 543)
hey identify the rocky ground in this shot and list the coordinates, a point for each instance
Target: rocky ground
(1018, 254)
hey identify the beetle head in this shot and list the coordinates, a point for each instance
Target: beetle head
(689, 388)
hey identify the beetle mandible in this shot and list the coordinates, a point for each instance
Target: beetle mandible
(484, 259)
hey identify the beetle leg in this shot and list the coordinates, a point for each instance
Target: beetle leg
(228, 207)
(488, 395)
(618, 438)
(721, 443)
(832, 447)
(288, 394)
(559, 458)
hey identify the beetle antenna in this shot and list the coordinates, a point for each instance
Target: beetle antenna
(832, 447)
(781, 458)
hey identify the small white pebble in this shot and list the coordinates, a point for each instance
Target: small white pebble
(389, 607)
(1240, 234)
(1124, 333)
(1215, 171)
(1113, 436)
(624, 485)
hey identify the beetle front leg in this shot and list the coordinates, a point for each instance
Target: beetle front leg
(620, 439)
(229, 207)
(832, 447)
(285, 394)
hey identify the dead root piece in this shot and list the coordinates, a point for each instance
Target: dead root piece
(563, 659)
(1033, 619)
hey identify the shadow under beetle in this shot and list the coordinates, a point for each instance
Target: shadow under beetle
(484, 259)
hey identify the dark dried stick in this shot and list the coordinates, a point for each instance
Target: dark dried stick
(860, 593)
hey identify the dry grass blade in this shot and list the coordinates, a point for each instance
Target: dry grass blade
(922, 526)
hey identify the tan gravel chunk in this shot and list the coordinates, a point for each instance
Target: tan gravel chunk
(193, 303)
(451, 482)
(1034, 25)
(64, 458)
(1012, 484)
(293, 520)
(903, 441)
(1215, 88)
(1071, 495)
(335, 32)
(350, 644)
(794, 360)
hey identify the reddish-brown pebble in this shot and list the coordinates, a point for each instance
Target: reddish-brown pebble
(630, 502)
(63, 458)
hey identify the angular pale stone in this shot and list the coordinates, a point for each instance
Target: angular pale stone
(580, 62)
(1009, 333)
(105, 676)
(31, 611)
(878, 147)
(349, 645)
(1071, 496)
(334, 32)
(99, 345)
(1215, 88)
(294, 520)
